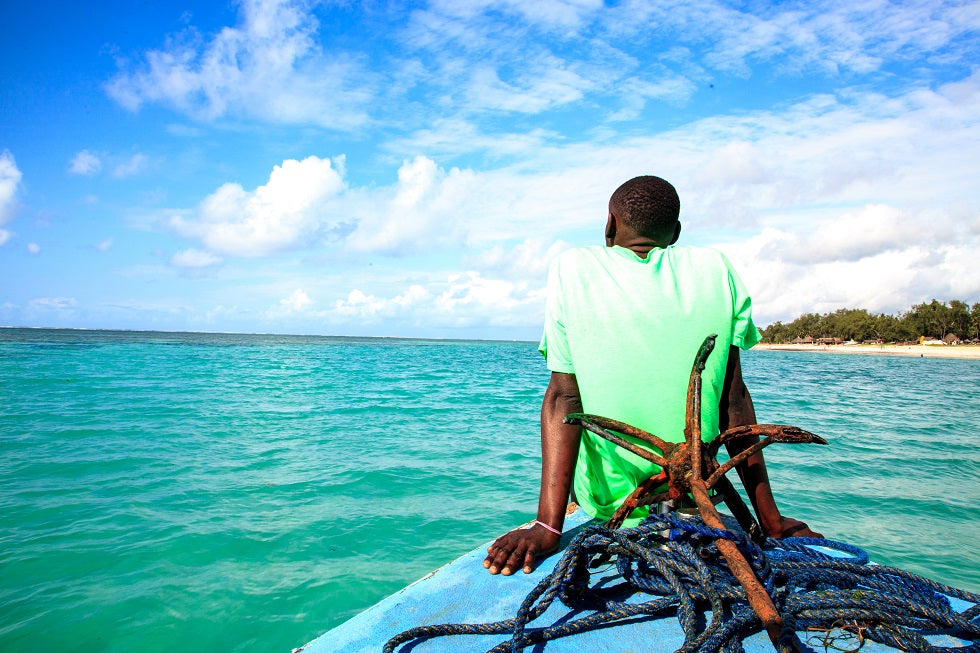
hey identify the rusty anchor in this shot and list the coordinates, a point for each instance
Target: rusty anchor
(690, 467)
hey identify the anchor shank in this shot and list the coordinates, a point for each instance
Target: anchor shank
(740, 568)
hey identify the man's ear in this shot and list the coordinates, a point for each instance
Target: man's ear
(610, 230)
(677, 234)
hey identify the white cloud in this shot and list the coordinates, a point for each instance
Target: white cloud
(421, 211)
(410, 303)
(519, 57)
(298, 301)
(873, 230)
(735, 162)
(471, 291)
(362, 306)
(220, 314)
(855, 199)
(284, 213)
(51, 308)
(663, 84)
(471, 298)
(546, 84)
(415, 294)
(194, 258)
(431, 209)
(466, 59)
(103, 245)
(306, 204)
(858, 200)
(456, 136)
(463, 299)
(53, 302)
(560, 15)
(877, 258)
(736, 173)
(824, 37)
(135, 164)
(85, 163)
(504, 57)
(89, 164)
(10, 177)
(268, 67)
(33, 248)
(184, 131)
(913, 150)
(529, 259)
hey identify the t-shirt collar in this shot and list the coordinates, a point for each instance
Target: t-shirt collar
(629, 254)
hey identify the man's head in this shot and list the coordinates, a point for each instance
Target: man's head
(649, 207)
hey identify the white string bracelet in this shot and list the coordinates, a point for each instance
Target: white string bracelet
(546, 527)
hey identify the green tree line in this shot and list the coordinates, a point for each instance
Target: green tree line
(933, 320)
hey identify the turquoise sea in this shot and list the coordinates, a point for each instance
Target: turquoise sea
(204, 492)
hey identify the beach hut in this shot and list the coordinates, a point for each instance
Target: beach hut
(951, 339)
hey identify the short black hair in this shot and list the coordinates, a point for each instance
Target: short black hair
(648, 204)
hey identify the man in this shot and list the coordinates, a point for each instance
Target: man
(622, 325)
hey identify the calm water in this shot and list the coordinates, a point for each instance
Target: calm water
(249, 492)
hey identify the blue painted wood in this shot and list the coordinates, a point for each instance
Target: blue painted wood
(464, 592)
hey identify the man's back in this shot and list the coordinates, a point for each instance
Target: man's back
(622, 326)
(628, 328)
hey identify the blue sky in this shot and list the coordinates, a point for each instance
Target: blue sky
(410, 169)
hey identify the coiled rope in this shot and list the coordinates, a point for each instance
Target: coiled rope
(675, 562)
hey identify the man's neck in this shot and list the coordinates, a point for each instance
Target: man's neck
(639, 245)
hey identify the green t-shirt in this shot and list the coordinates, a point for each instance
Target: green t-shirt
(628, 329)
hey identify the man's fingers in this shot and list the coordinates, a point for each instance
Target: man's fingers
(516, 550)
(499, 562)
(529, 560)
(499, 545)
(507, 557)
(503, 552)
(796, 528)
(495, 560)
(514, 560)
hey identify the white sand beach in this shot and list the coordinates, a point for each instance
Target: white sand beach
(918, 351)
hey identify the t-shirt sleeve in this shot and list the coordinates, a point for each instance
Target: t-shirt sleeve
(554, 340)
(744, 332)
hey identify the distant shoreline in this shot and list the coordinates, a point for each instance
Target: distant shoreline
(971, 352)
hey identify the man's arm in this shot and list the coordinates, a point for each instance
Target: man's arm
(559, 449)
(736, 409)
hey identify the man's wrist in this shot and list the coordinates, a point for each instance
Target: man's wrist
(771, 522)
(773, 528)
(548, 527)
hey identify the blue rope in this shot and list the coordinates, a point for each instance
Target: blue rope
(676, 565)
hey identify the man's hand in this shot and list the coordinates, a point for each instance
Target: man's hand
(559, 449)
(519, 548)
(736, 409)
(790, 527)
